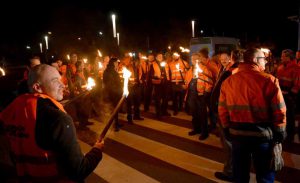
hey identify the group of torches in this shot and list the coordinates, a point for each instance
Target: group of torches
(126, 76)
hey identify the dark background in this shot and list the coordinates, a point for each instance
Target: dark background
(143, 25)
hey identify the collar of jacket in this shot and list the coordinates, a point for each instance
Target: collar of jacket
(248, 66)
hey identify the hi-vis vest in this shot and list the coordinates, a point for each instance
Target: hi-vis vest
(178, 75)
(204, 80)
(159, 73)
(33, 164)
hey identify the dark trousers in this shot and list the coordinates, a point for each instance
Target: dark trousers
(177, 96)
(147, 95)
(227, 146)
(290, 116)
(243, 151)
(197, 106)
(160, 97)
(134, 100)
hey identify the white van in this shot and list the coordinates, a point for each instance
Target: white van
(214, 44)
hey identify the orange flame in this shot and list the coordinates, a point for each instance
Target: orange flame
(126, 75)
(90, 84)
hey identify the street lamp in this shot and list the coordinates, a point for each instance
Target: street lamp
(113, 17)
(46, 40)
(41, 47)
(193, 28)
(118, 38)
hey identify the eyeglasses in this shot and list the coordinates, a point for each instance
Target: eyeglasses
(264, 58)
(261, 58)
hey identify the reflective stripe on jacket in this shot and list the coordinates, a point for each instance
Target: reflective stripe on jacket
(251, 97)
(32, 162)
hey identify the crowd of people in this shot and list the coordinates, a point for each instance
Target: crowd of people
(231, 95)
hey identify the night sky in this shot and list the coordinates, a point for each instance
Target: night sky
(143, 25)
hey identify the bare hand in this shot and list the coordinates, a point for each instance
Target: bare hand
(99, 144)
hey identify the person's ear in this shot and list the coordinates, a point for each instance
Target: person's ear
(37, 88)
(255, 60)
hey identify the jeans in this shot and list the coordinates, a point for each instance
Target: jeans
(246, 149)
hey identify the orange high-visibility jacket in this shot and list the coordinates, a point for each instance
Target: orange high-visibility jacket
(289, 77)
(214, 69)
(175, 73)
(19, 119)
(157, 74)
(133, 78)
(204, 81)
(251, 97)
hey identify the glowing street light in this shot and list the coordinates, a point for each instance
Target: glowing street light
(118, 38)
(113, 17)
(41, 47)
(46, 40)
(193, 28)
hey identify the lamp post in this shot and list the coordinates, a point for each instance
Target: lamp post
(118, 38)
(41, 47)
(46, 41)
(113, 17)
(193, 28)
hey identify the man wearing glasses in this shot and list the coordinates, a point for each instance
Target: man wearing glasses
(252, 112)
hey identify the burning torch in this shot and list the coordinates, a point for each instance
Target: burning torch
(179, 70)
(126, 75)
(2, 71)
(89, 86)
(198, 70)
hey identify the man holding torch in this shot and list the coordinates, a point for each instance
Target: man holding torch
(198, 84)
(42, 135)
(177, 69)
(159, 77)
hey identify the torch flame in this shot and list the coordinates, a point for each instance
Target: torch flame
(177, 67)
(144, 57)
(176, 54)
(68, 57)
(2, 71)
(99, 53)
(163, 64)
(100, 65)
(265, 50)
(85, 60)
(90, 84)
(126, 75)
(197, 69)
(186, 50)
